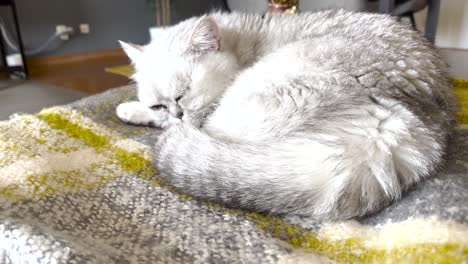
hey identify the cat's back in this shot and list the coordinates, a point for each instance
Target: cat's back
(313, 24)
(369, 31)
(382, 54)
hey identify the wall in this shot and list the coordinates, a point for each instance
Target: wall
(452, 29)
(181, 9)
(304, 5)
(129, 20)
(110, 20)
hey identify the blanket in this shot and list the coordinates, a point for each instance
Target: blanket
(78, 186)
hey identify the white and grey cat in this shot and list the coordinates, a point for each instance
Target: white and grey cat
(331, 114)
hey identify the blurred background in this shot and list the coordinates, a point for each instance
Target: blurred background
(70, 48)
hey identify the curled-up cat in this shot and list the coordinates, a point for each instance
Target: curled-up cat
(330, 115)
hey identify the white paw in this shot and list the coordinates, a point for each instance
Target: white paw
(172, 120)
(134, 113)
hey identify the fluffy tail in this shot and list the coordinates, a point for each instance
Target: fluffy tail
(339, 175)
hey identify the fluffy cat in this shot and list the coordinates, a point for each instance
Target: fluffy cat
(330, 115)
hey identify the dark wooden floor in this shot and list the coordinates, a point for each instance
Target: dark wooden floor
(83, 72)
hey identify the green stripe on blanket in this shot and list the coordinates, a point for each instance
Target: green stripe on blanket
(56, 151)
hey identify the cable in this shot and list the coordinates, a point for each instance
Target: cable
(226, 6)
(6, 35)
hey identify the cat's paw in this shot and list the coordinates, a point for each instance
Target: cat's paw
(134, 113)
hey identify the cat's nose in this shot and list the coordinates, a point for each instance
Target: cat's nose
(180, 114)
(176, 112)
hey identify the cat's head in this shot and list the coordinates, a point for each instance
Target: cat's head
(184, 68)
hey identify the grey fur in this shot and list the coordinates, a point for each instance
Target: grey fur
(367, 115)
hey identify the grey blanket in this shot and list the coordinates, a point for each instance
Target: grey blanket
(77, 186)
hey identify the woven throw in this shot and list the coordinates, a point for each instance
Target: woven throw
(78, 186)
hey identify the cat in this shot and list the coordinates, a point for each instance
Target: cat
(330, 115)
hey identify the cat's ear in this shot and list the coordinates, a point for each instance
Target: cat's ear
(156, 33)
(205, 35)
(134, 52)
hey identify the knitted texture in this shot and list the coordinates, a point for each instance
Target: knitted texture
(78, 186)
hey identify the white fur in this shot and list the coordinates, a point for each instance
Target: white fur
(136, 113)
(330, 114)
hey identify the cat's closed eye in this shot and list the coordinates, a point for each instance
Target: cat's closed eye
(158, 107)
(178, 99)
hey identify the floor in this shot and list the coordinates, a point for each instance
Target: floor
(30, 97)
(86, 75)
(60, 80)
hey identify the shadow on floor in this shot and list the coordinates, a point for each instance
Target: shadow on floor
(30, 97)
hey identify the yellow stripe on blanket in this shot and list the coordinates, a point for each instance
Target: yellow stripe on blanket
(60, 151)
(461, 93)
(351, 242)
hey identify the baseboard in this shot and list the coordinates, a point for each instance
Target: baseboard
(67, 59)
(458, 62)
(453, 49)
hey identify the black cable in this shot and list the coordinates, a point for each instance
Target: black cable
(226, 6)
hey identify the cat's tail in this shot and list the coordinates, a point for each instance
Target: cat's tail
(324, 176)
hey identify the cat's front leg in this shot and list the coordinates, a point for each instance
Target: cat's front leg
(136, 113)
